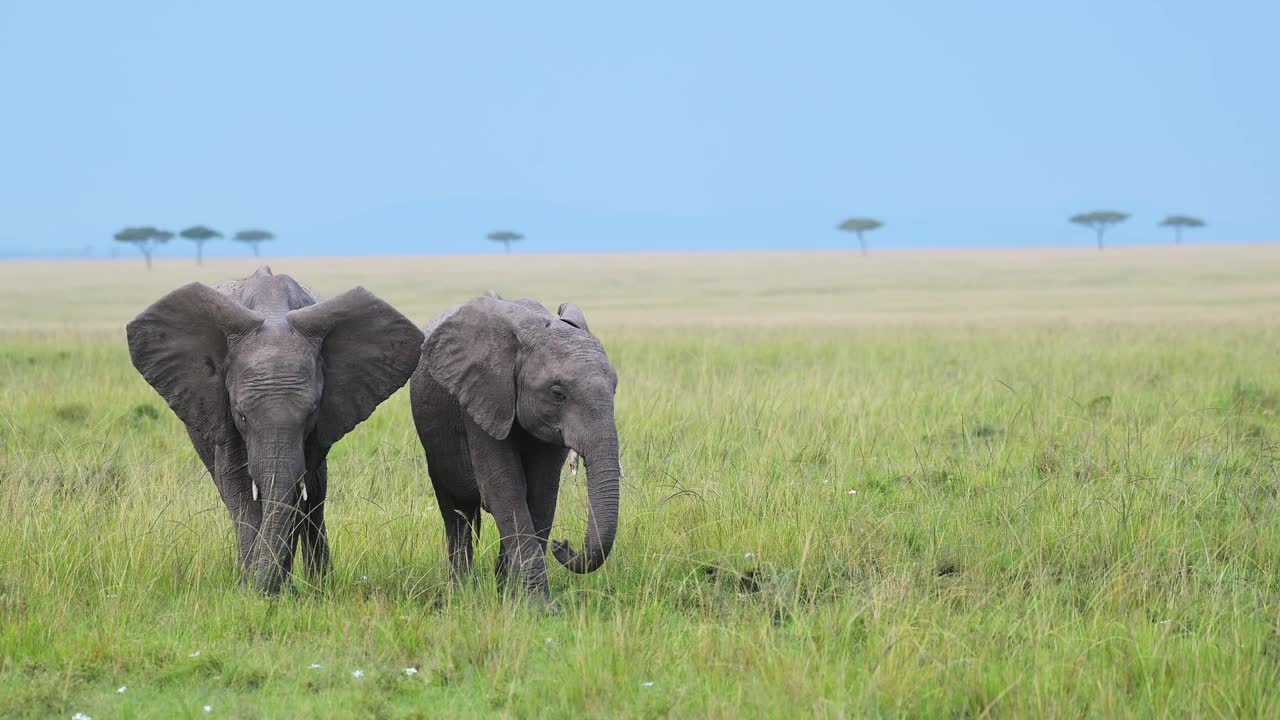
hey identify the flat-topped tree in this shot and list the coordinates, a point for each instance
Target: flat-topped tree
(145, 238)
(857, 226)
(1099, 221)
(1178, 222)
(199, 234)
(253, 238)
(506, 237)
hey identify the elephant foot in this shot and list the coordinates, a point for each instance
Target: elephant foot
(534, 599)
(249, 584)
(540, 595)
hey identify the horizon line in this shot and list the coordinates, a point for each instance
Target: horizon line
(1088, 249)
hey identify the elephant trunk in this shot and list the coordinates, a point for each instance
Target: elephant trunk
(277, 467)
(603, 479)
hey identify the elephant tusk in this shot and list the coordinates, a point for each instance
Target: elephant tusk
(303, 485)
(573, 465)
(255, 490)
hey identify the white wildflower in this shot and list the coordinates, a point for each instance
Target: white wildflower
(80, 716)
(748, 555)
(314, 666)
(120, 690)
(195, 654)
(357, 674)
(411, 671)
(853, 492)
(647, 684)
(208, 708)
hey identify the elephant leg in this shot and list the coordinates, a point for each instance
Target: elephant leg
(521, 559)
(314, 535)
(231, 476)
(438, 420)
(500, 474)
(542, 467)
(502, 568)
(461, 522)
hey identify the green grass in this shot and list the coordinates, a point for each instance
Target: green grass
(1052, 518)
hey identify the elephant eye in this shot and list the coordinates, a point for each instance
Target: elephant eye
(558, 393)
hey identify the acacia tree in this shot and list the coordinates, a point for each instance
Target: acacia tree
(145, 238)
(1099, 221)
(1178, 222)
(199, 234)
(253, 238)
(506, 237)
(857, 226)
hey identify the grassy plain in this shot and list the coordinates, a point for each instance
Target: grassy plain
(949, 483)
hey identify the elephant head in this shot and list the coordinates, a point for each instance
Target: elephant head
(513, 362)
(282, 382)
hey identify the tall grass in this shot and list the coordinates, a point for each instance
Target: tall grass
(1023, 519)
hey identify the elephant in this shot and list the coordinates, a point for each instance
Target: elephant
(267, 376)
(504, 390)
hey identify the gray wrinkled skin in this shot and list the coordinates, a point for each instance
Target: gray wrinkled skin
(503, 391)
(267, 377)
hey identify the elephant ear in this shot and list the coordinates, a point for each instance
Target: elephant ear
(472, 354)
(367, 350)
(179, 344)
(572, 314)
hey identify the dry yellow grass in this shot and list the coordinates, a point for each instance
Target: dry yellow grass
(1191, 283)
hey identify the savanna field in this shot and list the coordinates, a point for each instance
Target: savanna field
(1032, 483)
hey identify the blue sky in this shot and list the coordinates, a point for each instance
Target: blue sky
(418, 127)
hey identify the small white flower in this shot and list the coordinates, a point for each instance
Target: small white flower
(208, 708)
(112, 596)
(80, 716)
(121, 689)
(824, 482)
(357, 674)
(195, 654)
(548, 641)
(364, 578)
(748, 555)
(853, 492)
(314, 666)
(411, 671)
(647, 684)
